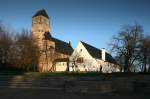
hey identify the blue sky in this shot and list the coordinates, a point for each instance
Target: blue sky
(92, 21)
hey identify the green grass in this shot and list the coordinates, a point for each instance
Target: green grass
(86, 74)
(75, 74)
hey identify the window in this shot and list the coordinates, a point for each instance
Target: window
(40, 30)
(40, 19)
(51, 47)
(80, 60)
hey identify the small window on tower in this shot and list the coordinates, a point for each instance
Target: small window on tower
(39, 20)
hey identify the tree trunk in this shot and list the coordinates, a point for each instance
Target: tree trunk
(126, 65)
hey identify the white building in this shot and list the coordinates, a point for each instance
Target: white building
(62, 65)
(88, 58)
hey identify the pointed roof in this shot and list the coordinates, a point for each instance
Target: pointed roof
(93, 51)
(97, 53)
(41, 12)
(60, 46)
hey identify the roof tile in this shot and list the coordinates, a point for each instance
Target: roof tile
(97, 53)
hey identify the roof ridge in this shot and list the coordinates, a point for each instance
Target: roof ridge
(49, 34)
(41, 12)
(91, 45)
(60, 40)
(97, 53)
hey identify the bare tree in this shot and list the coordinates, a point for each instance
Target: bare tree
(126, 45)
(120, 62)
(145, 53)
(75, 60)
(24, 52)
(5, 44)
(17, 51)
(75, 63)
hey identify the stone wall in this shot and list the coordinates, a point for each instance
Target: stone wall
(107, 85)
(71, 84)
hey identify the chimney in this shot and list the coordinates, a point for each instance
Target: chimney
(103, 54)
(69, 43)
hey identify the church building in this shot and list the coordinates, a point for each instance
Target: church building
(54, 53)
(59, 56)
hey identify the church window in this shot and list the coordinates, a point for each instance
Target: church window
(80, 60)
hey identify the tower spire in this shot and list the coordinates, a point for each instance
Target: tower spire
(41, 12)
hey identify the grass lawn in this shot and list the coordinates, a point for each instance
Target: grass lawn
(86, 74)
(74, 74)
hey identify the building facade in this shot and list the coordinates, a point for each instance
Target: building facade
(88, 58)
(51, 49)
(57, 55)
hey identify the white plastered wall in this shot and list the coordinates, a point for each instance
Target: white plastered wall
(61, 66)
(89, 63)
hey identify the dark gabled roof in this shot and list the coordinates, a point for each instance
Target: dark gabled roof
(63, 47)
(60, 46)
(94, 52)
(48, 35)
(97, 53)
(41, 12)
(110, 59)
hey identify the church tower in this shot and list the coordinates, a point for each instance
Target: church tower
(40, 26)
(50, 48)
